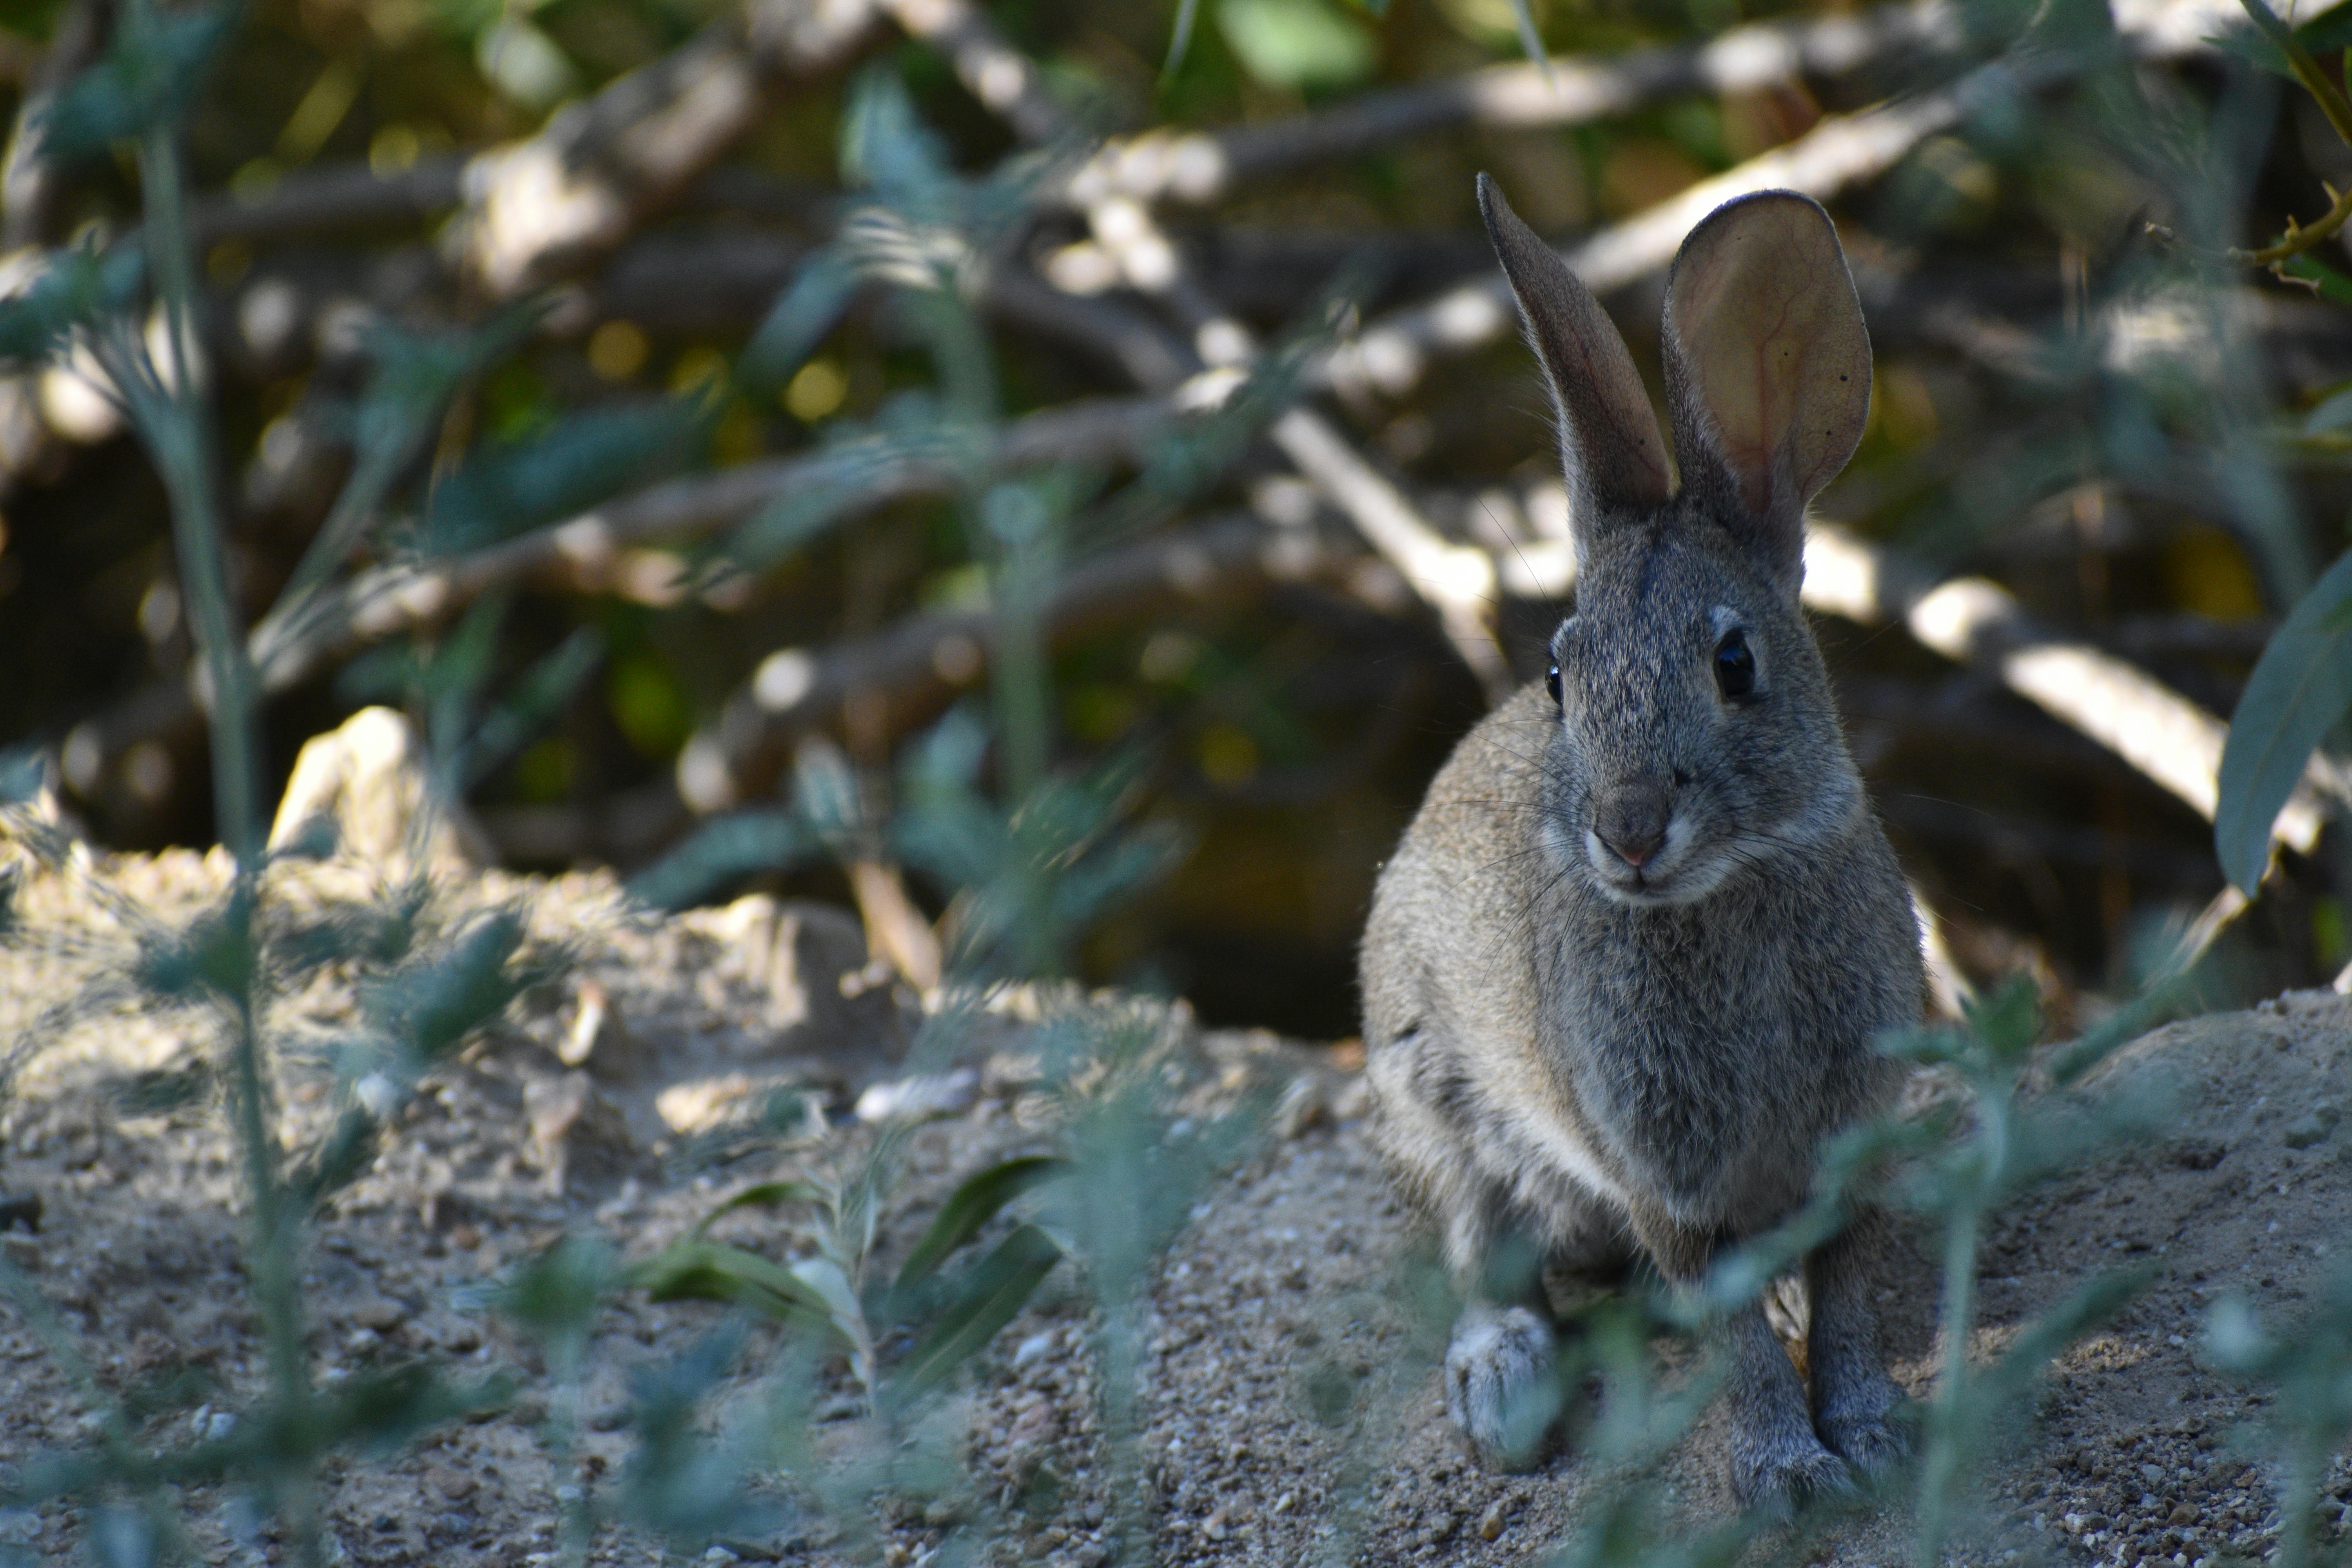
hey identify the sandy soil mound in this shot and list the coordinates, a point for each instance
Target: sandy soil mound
(1288, 1403)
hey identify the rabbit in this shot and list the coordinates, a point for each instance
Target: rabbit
(1624, 971)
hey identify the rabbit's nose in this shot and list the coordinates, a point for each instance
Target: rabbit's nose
(1632, 820)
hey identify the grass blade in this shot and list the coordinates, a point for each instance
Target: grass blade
(973, 1206)
(987, 1298)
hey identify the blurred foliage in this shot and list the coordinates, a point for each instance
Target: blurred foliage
(2114, 473)
(2103, 420)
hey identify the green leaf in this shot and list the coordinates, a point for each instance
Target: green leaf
(533, 703)
(839, 488)
(721, 852)
(75, 289)
(2301, 686)
(556, 1295)
(337, 1163)
(1179, 37)
(1531, 37)
(1127, 863)
(436, 1000)
(2007, 1021)
(1296, 43)
(2331, 284)
(801, 316)
(510, 487)
(984, 1301)
(23, 771)
(766, 1196)
(2325, 34)
(215, 952)
(712, 1271)
(824, 792)
(884, 145)
(971, 1206)
(2085, 1307)
(2332, 416)
(822, 1277)
(148, 79)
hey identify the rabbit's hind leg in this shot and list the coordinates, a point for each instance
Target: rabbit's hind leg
(1853, 1395)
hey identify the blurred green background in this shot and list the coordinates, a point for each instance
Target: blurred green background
(2122, 429)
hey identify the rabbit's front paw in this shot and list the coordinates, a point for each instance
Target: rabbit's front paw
(1498, 1384)
(1784, 1469)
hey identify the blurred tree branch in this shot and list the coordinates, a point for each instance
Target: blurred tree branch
(601, 168)
(1975, 621)
(1201, 167)
(1391, 355)
(908, 671)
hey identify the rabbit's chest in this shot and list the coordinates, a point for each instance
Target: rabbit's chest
(1710, 1068)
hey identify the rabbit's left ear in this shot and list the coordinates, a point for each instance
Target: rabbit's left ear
(1767, 366)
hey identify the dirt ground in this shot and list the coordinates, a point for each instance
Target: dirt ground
(1287, 1278)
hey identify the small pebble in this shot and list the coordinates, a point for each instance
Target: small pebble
(2312, 1128)
(1490, 1523)
(1033, 1350)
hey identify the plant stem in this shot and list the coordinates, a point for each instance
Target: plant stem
(2299, 237)
(1948, 1421)
(1023, 688)
(178, 432)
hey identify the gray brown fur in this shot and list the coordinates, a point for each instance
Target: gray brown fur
(1592, 1053)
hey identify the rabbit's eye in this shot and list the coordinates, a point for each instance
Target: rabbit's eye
(1551, 684)
(1735, 666)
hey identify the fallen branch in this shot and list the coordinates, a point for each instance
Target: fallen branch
(593, 553)
(336, 198)
(1975, 621)
(611, 549)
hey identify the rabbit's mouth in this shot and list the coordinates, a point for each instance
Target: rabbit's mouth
(1671, 870)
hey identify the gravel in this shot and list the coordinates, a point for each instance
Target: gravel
(1286, 1408)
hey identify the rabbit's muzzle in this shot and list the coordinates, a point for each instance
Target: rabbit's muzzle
(1631, 819)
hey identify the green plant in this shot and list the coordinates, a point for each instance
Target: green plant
(2301, 688)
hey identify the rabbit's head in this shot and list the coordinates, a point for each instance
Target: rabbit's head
(1697, 737)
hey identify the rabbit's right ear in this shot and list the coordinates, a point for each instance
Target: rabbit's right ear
(1609, 437)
